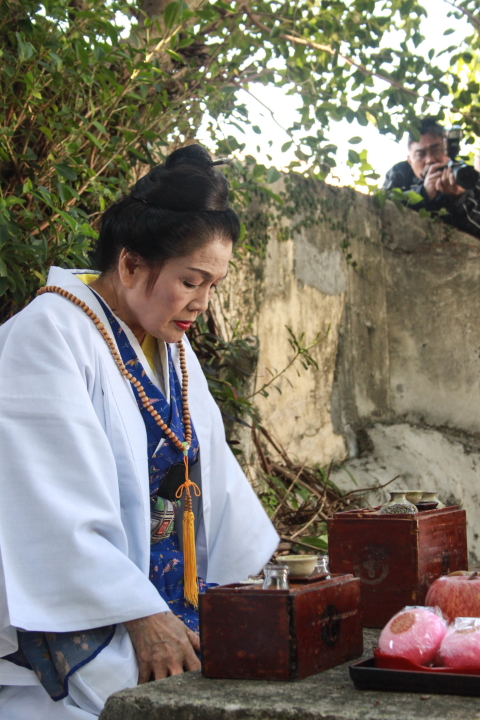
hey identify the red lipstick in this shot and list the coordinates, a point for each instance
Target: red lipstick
(182, 325)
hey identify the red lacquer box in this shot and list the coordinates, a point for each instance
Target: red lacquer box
(255, 634)
(396, 557)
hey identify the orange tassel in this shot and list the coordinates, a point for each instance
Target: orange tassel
(190, 581)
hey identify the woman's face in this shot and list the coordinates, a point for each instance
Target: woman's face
(182, 290)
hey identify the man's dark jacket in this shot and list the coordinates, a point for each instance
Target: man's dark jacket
(463, 211)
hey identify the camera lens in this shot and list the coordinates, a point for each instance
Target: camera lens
(465, 176)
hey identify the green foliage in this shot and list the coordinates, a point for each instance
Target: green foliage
(229, 366)
(301, 352)
(320, 542)
(74, 125)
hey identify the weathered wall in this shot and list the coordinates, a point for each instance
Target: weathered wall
(412, 325)
(399, 372)
(299, 284)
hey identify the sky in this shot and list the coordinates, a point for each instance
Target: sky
(383, 152)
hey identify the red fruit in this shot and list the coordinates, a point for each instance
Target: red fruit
(460, 647)
(414, 633)
(456, 596)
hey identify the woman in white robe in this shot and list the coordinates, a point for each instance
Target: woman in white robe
(74, 476)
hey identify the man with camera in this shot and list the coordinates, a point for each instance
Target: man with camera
(443, 183)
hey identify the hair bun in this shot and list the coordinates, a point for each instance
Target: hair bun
(186, 182)
(194, 155)
(174, 209)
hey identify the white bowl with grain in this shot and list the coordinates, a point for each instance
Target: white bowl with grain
(299, 565)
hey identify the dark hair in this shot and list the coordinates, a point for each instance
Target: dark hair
(426, 126)
(175, 208)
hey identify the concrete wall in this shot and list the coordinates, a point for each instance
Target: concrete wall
(301, 284)
(397, 389)
(412, 323)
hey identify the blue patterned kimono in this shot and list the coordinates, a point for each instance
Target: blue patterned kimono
(166, 558)
(56, 656)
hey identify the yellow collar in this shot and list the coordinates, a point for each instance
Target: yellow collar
(149, 343)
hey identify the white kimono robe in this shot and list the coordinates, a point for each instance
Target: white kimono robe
(74, 499)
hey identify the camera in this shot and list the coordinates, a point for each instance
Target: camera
(465, 175)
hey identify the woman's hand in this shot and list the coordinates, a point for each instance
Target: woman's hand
(163, 645)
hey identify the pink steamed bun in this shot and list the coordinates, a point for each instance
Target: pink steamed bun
(414, 633)
(461, 645)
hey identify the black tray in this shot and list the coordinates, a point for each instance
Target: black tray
(366, 676)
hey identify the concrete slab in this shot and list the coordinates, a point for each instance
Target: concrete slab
(328, 696)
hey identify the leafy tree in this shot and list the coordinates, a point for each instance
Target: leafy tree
(93, 92)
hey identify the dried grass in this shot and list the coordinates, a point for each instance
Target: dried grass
(299, 498)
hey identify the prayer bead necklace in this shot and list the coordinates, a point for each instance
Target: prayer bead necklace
(136, 383)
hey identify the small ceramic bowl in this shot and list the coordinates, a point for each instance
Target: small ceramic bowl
(299, 565)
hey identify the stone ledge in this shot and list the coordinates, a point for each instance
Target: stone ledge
(328, 696)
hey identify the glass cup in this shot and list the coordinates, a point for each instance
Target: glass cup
(276, 577)
(322, 566)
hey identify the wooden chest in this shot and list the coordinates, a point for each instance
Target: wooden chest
(396, 557)
(250, 633)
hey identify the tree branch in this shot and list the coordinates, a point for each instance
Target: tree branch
(471, 16)
(272, 114)
(298, 40)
